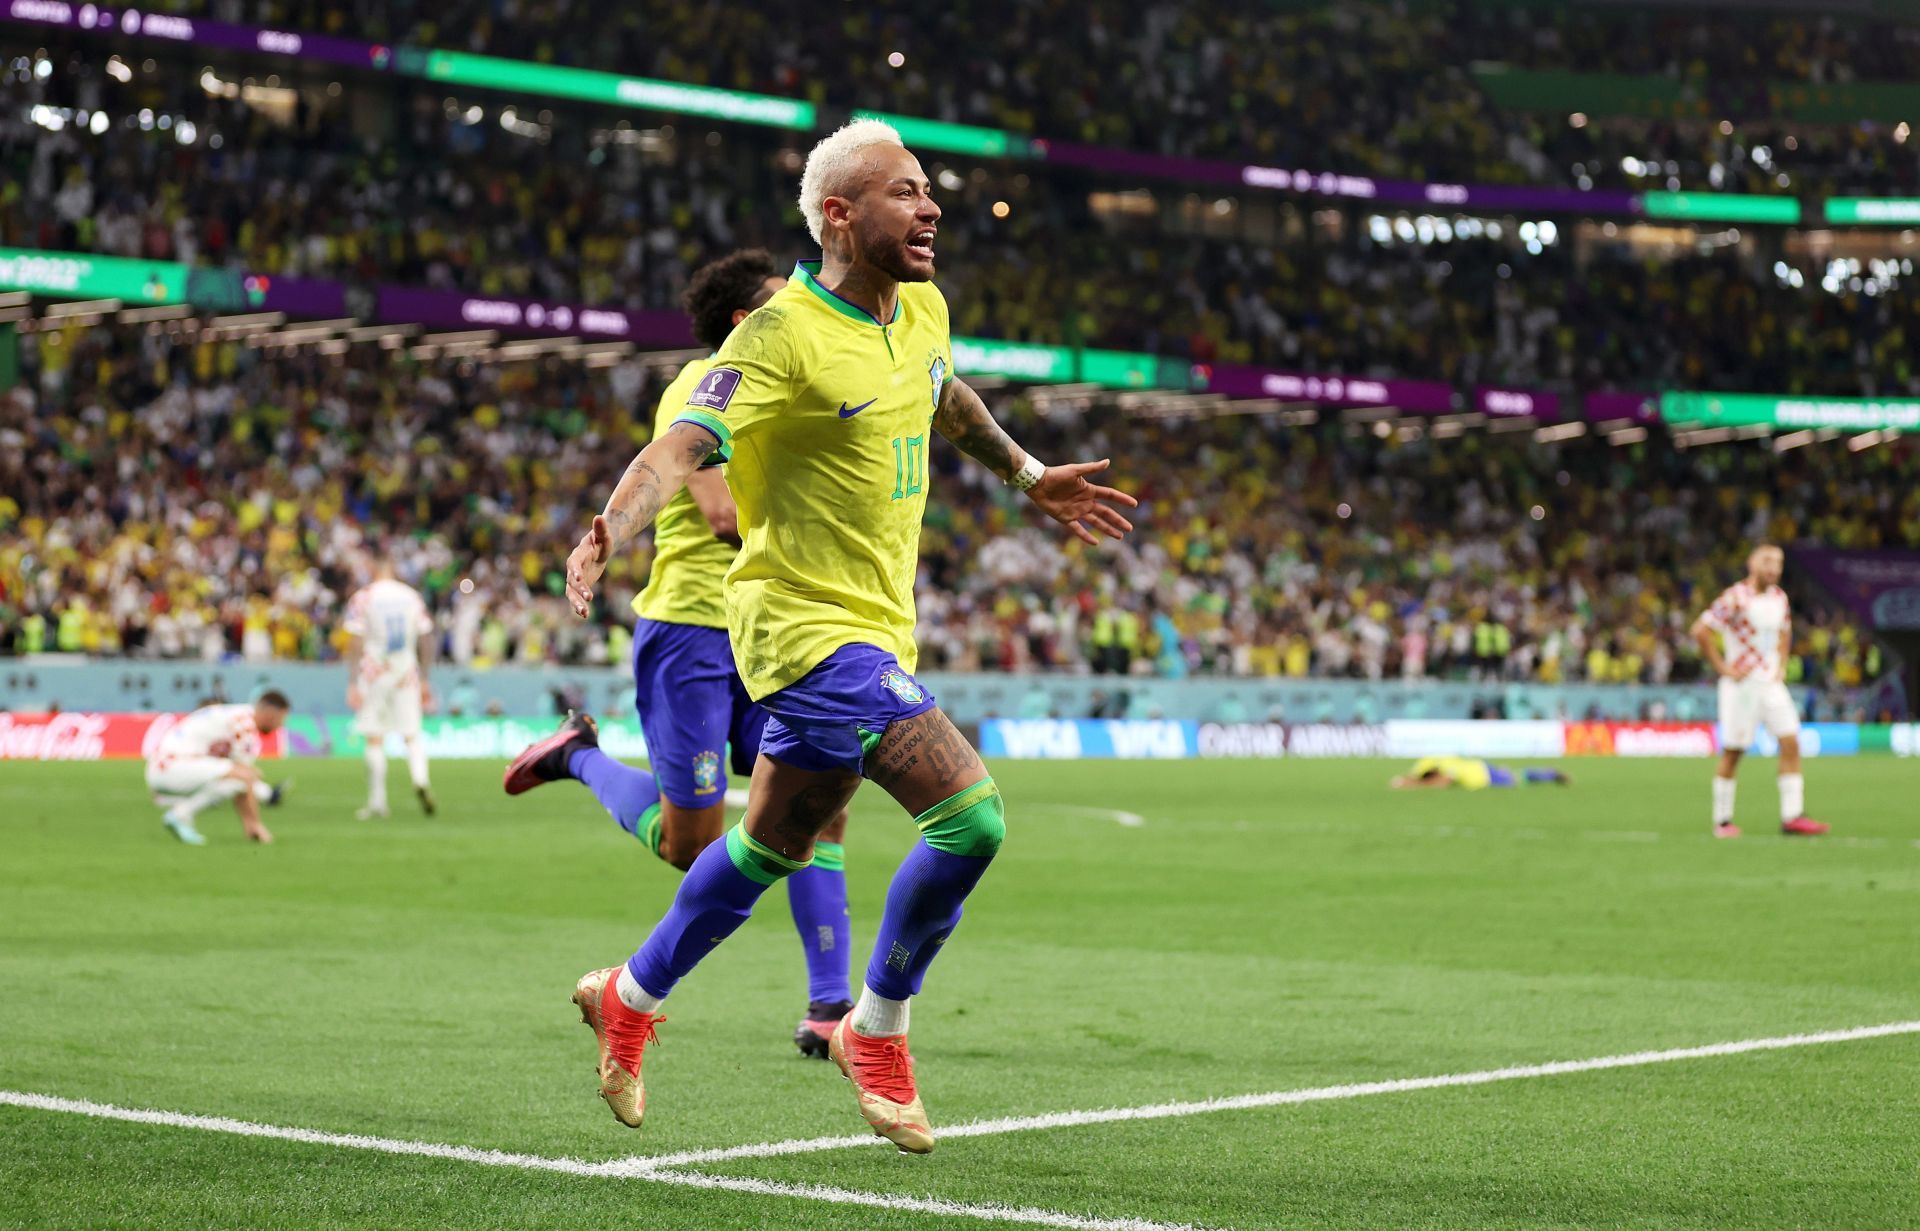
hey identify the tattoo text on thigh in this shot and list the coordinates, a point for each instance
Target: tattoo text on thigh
(931, 740)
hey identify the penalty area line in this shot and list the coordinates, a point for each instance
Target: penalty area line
(1316, 1094)
(623, 1168)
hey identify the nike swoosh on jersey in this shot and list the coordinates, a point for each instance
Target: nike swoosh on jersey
(845, 413)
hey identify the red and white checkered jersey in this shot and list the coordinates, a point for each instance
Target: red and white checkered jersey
(1750, 623)
(389, 617)
(212, 731)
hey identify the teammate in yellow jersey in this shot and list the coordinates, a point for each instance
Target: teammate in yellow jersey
(1470, 774)
(825, 400)
(694, 711)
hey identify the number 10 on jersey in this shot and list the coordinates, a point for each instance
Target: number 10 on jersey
(909, 465)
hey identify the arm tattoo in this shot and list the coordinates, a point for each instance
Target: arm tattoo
(643, 491)
(635, 501)
(964, 419)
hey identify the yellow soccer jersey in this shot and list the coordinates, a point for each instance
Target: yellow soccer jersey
(825, 415)
(1461, 771)
(686, 585)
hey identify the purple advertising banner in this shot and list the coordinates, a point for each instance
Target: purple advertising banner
(1639, 407)
(1436, 196)
(452, 310)
(1881, 587)
(1238, 380)
(1333, 184)
(133, 21)
(1504, 403)
(296, 296)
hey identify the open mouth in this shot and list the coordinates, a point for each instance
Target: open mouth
(920, 243)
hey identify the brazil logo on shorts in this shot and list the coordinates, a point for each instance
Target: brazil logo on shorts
(706, 772)
(902, 685)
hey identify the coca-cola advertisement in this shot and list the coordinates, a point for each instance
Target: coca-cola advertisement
(81, 735)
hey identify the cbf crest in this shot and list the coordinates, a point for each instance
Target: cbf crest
(937, 373)
(706, 772)
(903, 686)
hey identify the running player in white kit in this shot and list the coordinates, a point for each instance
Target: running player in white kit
(387, 660)
(1745, 636)
(207, 757)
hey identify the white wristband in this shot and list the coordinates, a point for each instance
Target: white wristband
(1028, 476)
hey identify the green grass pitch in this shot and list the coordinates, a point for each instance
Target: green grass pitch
(1269, 926)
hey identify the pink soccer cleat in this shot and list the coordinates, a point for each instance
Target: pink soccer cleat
(1804, 825)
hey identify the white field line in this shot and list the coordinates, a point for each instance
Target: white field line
(634, 1169)
(1132, 820)
(1316, 1094)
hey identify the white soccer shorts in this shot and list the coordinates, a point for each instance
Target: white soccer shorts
(172, 778)
(1749, 704)
(387, 709)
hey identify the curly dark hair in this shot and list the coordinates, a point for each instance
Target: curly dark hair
(720, 288)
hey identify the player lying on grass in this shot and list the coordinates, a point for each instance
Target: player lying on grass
(1745, 637)
(824, 399)
(693, 707)
(1470, 774)
(207, 758)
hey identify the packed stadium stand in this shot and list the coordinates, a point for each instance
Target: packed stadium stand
(170, 490)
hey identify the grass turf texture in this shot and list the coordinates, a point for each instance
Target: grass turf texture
(1272, 925)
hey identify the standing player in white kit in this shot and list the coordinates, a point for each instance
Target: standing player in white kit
(387, 660)
(1745, 636)
(208, 757)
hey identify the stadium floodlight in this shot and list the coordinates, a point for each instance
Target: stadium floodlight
(164, 312)
(249, 320)
(532, 348)
(381, 333)
(1702, 436)
(1793, 440)
(485, 337)
(82, 307)
(1627, 436)
(14, 299)
(1554, 433)
(1867, 440)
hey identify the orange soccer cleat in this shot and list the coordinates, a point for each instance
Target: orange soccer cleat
(881, 1070)
(623, 1036)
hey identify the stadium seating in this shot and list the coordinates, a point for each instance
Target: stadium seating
(192, 498)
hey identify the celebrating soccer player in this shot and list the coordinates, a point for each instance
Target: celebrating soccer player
(692, 704)
(823, 400)
(1745, 636)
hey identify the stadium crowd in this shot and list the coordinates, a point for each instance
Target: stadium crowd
(164, 495)
(575, 218)
(1382, 88)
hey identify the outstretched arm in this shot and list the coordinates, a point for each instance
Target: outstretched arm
(651, 479)
(1063, 492)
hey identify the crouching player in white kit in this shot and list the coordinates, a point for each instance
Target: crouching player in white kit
(390, 650)
(1745, 636)
(207, 757)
